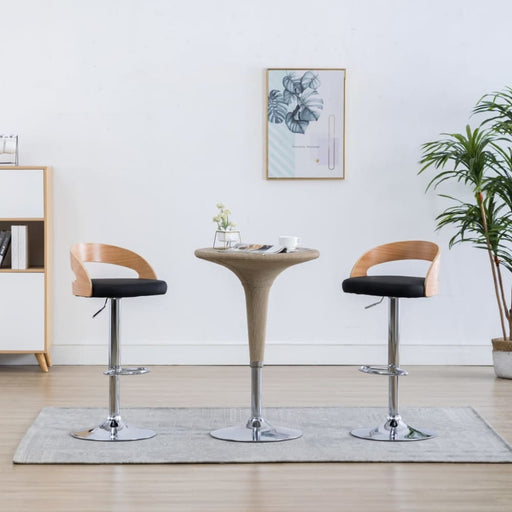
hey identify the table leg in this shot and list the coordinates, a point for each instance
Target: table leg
(257, 429)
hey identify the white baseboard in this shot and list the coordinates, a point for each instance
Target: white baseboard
(197, 353)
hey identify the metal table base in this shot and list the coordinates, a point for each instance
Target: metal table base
(257, 429)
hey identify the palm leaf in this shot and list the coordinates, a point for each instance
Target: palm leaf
(277, 107)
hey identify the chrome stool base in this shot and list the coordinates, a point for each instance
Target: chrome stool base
(264, 434)
(393, 430)
(114, 430)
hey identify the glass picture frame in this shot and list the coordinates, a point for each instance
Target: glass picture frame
(305, 123)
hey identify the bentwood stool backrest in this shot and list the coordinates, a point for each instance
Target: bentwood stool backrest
(113, 289)
(403, 286)
(394, 287)
(83, 285)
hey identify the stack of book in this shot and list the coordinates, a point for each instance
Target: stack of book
(17, 238)
(5, 240)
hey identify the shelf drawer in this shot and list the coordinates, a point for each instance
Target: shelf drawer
(22, 312)
(22, 193)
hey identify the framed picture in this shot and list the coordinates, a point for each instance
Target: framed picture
(306, 123)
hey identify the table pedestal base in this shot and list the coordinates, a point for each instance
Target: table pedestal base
(265, 434)
(257, 429)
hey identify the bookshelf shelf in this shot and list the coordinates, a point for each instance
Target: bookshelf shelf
(18, 219)
(39, 270)
(26, 293)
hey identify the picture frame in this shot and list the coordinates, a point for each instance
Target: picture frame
(305, 121)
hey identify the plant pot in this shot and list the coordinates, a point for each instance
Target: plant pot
(502, 357)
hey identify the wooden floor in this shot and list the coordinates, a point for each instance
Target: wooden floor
(252, 487)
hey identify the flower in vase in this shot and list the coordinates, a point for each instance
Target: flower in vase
(222, 218)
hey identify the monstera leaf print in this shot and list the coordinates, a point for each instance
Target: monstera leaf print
(292, 87)
(292, 84)
(301, 95)
(310, 80)
(294, 124)
(288, 96)
(310, 106)
(277, 107)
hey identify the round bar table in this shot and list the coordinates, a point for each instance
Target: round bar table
(256, 272)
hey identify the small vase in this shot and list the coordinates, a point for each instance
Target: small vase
(226, 239)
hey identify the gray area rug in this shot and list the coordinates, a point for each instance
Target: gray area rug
(183, 437)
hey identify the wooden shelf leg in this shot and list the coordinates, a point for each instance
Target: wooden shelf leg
(48, 358)
(42, 362)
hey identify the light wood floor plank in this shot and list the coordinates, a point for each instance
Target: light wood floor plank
(251, 487)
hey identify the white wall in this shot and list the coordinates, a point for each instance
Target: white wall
(152, 111)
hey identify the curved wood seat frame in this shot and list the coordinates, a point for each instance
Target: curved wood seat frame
(406, 250)
(102, 253)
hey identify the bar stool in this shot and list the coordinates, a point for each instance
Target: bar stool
(394, 287)
(112, 290)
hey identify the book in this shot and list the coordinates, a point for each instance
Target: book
(14, 247)
(5, 240)
(23, 247)
(257, 248)
(2, 254)
(19, 247)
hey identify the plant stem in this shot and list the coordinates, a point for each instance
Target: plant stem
(502, 291)
(503, 300)
(480, 200)
(510, 318)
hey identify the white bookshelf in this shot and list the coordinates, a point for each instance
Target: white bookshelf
(26, 294)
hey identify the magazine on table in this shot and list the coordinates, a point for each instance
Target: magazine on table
(257, 248)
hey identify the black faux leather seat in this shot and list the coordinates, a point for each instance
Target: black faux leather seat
(127, 287)
(386, 286)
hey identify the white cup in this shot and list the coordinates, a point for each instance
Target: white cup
(289, 242)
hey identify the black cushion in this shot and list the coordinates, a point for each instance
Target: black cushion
(131, 287)
(386, 286)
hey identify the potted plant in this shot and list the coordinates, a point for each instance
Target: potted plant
(225, 236)
(481, 159)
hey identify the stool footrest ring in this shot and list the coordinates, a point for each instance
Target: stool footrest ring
(389, 370)
(126, 371)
